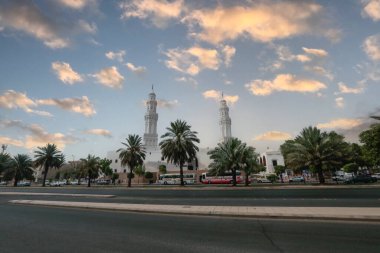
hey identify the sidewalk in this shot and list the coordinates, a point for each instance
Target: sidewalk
(57, 194)
(321, 213)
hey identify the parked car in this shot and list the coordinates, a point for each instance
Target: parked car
(262, 180)
(361, 179)
(103, 181)
(3, 183)
(24, 183)
(298, 179)
(55, 184)
(376, 175)
(74, 182)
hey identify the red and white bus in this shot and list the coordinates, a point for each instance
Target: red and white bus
(226, 178)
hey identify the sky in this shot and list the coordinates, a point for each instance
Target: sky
(77, 72)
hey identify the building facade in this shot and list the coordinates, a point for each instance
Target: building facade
(270, 159)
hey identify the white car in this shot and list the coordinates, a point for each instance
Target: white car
(262, 180)
(55, 184)
(376, 175)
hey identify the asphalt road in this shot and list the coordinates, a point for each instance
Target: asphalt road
(329, 196)
(42, 229)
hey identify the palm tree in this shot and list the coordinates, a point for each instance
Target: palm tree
(21, 166)
(5, 161)
(91, 166)
(228, 156)
(140, 171)
(47, 157)
(249, 163)
(316, 150)
(133, 155)
(178, 145)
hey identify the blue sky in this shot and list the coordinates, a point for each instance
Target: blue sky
(76, 72)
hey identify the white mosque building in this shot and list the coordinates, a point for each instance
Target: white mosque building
(154, 159)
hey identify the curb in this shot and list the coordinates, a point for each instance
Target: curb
(312, 213)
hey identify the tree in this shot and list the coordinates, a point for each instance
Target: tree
(114, 177)
(162, 169)
(371, 145)
(20, 167)
(139, 171)
(48, 157)
(57, 175)
(272, 178)
(249, 163)
(315, 149)
(351, 168)
(149, 176)
(5, 161)
(91, 167)
(132, 155)
(105, 168)
(178, 145)
(228, 156)
(279, 170)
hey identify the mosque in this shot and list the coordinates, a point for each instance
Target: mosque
(153, 157)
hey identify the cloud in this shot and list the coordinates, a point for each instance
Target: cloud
(345, 89)
(228, 53)
(65, 73)
(167, 104)
(189, 80)
(98, 131)
(284, 54)
(110, 77)
(372, 9)
(341, 124)
(262, 21)
(339, 101)
(87, 27)
(78, 105)
(9, 141)
(371, 47)
(37, 136)
(119, 56)
(315, 52)
(12, 99)
(26, 17)
(284, 82)
(76, 4)
(158, 12)
(192, 60)
(217, 96)
(320, 71)
(135, 69)
(273, 136)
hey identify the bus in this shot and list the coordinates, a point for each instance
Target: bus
(174, 178)
(225, 178)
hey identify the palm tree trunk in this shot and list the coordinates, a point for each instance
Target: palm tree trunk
(130, 177)
(246, 179)
(233, 177)
(320, 175)
(181, 174)
(15, 182)
(45, 174)
(89, 182)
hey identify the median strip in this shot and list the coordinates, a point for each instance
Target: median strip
(328, 213)
(57, 194)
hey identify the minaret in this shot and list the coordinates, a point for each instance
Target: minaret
(225, 120)
(151, 117)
